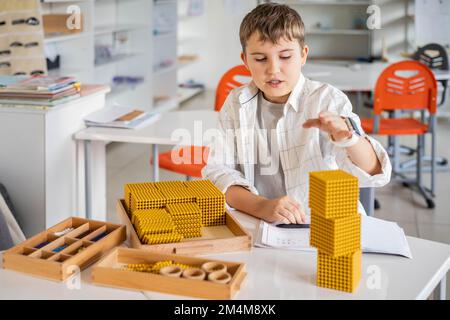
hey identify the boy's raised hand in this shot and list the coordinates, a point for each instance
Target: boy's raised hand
(283, 210)
(331, 123)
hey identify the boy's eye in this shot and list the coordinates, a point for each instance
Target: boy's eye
(260, 59)
(286, 57)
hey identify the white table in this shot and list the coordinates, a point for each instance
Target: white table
(353, 77)
(193, 126)
(274, 274)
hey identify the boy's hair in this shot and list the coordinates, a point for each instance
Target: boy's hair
(272, 21)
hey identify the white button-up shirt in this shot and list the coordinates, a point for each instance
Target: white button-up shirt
(232, 156)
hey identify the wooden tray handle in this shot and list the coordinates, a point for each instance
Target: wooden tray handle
(193, 249)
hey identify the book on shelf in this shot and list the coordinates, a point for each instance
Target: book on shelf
(39, 102)
(120, 117)
(38, 90)
(39, 83)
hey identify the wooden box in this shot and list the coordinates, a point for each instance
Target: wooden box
(230, 237)
(57, 24)
(79, 248)
(109, 271)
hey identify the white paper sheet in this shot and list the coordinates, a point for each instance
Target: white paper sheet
(377, 236)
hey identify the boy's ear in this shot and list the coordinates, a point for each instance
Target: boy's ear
(305, 52)
(243, 58)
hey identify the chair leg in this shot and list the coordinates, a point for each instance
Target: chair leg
(423, 192)
(433, 163)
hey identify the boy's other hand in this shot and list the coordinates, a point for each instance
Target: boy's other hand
(283, 210)
(330, 123)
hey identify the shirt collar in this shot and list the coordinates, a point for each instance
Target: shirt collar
(294, 97)
(250, 92)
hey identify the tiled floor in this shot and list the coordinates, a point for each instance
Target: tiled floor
(130, 162)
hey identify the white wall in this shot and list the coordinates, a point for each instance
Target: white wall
(214, 36)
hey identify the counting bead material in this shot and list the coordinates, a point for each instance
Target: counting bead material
(210, 200)
(134, 188)
(162, 238)
(333, 194)
(336, 229)
(148, 199)
(340, 273)
(155, 267)
(187, 219)
(336, 237)
(190, 205)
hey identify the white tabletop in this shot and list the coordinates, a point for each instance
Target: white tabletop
(353, 76)
(273, 274)
(166, 130)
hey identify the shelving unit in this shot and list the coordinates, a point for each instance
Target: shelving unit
(187, 45)
(338, 32)
(122, 31)
(164, 67)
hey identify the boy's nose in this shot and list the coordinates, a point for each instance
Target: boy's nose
(273, 68)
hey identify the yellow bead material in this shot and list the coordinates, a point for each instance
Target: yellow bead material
(335, 229)
(148, 199)
(187, 219)
(191, 205)
(340, 273)
(162, 238)
(136, 187)
(336, 237)
(155, 267)
(333, 194)
(210, 200)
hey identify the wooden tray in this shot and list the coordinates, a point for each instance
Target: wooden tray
(230, 237)
(109, 272)
(47, 263)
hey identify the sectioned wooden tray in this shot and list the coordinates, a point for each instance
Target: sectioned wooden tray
(109, 271)
(230, 237)
(57, 257)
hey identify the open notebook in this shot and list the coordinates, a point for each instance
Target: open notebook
(377, 236)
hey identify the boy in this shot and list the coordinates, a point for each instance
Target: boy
(283, 118)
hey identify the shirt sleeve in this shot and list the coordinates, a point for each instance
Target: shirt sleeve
(222, 165)
(342, 106)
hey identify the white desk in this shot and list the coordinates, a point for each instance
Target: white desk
(166, 131)
(274, 274)
(353, 77)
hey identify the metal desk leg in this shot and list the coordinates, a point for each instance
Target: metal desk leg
(155, 163)
(88, 178)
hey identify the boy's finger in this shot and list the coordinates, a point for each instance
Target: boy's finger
(288, 215)
(312, 123)
(303, 215)
(295, 209)
(282, 219)
(298, 216)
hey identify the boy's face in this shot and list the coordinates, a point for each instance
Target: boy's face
(275, 68)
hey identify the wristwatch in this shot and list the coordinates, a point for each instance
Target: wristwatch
(351, 125)
(356, 134)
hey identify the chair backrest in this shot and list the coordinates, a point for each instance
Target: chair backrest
(228, 82)
(405, 85)
(433, 55)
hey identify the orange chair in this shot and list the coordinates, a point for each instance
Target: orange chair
(407, 86)
(194, 168)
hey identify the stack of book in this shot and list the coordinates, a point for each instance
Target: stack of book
(120, 117)
(38, 90)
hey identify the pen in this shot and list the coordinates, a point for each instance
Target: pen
(293, 226)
